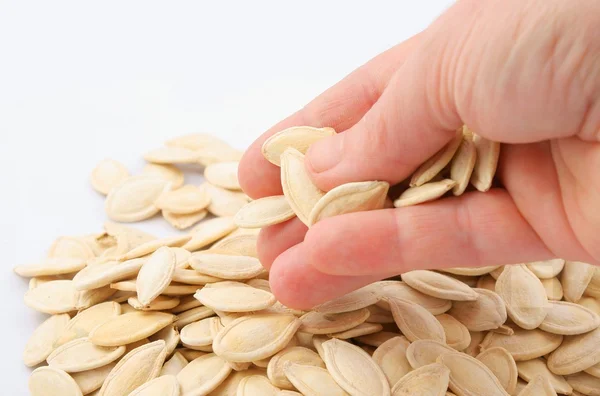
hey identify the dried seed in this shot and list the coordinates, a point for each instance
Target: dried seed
(234, 297)
(174, 289)
(241, 244)
(155, 275)
(424, 193)
(99, 275)
(554, 289)
(432, 379)
(209, 231)
(224, 202)
(184, 221)
(457, 335)
(476, 339)
(353, 369)
(539, 386)
(168, 173)
(424, 352)
(192, 315)
(502, 364)
(486, 313)
(264, 212)
(546, 269)
(585, 384)
(226, 266)
(387, 290)
(312, 380)
(488, 153)
(91, 380)
(256, 385)
(462, 166)
(82, 323)
(319, 323)
(201, 333)
(360, 330)
(41, 343)
(88, 298)
(439, 285)
(575, 278)
(196, 141)
(81, 355)
(569, 319)
(379, 315)
(184, 200)
(166, 385)
(349, 198)
(172, 155)
(301, 193)
(299, 138)
(470, 376)
(153, 245)
(524, 295)
(298, 355)
(203, 374)
(376, 339)
(48, 381)
(193, 277)
(355, 300)
(130, 327)
(108, 174)
(523, 344)
(415, 322)
(488, 282)
(223, 174)
(391, 358)
(174, 365)
(51, 266)
(139, 366)
(576, 353)
(54, 297)
(133, 199)
(272, 333)
(230, 385)
(190, 354)
(169, 335)
(530, 369)
(160, 303)
(434, 165)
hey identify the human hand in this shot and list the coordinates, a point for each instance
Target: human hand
(525, 73)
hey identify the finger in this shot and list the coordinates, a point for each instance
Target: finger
(497, 70)
(298, 285)
(274, 240)
(472, 230)
(340, 107)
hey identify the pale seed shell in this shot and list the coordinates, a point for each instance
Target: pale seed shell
(223, 174)
(85, 321)
(155, 275)
(296, 354)
(234, 298)
(224, 202)
(130, 327)
(172, 155)
(203, 374)
(457, 335)
(470, 376)
(434, 165)
(576, 353)
(349, 198)
(462, 166)
(190, 354)
(184, 200)
(575, 278)
(432, 379)
(387, 290)
(139, 366)
(153, 245)
(391, 358)
(271, 334)
(226, 266)
(193, 277)
(569, 319)
(168, 173)
(209, 231)
(486, 313)
(477, 338)
(81, 355)
(102, 274)
(554, 289)
(299, 138)
(88, 298)
(524, 295)
(546, 269)
(200, 333)
(424, 193)
(301, 193)
(502, 364)
(439, 285)
(108, 174)
(187, 302)
(54, 297)
(174, 365)
(160, 303)
(166, 385)
(192, 315)
(51, 266)
(523, 344)
(415, 322)
(242, 244)
(184, 221)
(230, 385)
(41, 343)
(530, 369)
(174, 289)
(585, 384)
(320, 323)
(355, 300)
(196, 141)
(539, 386)
(379, 315)
(72, 247)
(488, 153)
(360, 330)
(377, 339)
(353, 369)
(48, 381)
(169, 335)
(423, 352)
(133, 199)
(264, 212)
(91, 380)
(312, 380)
(256, 385)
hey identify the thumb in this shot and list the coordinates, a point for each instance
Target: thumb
(514, 71)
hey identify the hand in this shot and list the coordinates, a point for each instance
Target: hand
(522, 72)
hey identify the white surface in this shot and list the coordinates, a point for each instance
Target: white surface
(82, 80)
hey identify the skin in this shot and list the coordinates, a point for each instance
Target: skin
(522, 72)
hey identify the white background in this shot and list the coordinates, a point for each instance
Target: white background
(85, 80)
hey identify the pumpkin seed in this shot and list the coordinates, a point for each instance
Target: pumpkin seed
(424, 193)
(133, 199)
(470, 376)
(130, 327)
(223, 174)
(264, 212)
(503, 365)
(166, 385)
(41, 343)
(48, 381)
(312, 380)
(108, 174)
(488, 153)
(439, 285)
(391, 358)
(530, 369)
(432, 379)
(299, 138)
(434, 165)
(81, 355)
(415, 322)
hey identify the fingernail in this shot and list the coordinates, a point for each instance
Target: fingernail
(324, 154)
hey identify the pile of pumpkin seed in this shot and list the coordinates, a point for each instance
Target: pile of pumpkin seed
(192, 314)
